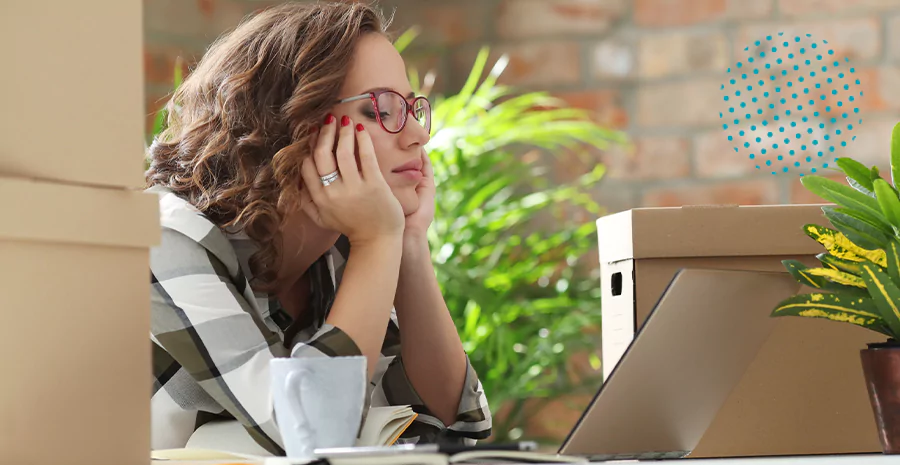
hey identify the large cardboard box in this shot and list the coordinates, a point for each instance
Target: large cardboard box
(75, 366)
(72, 88)
(804, 393)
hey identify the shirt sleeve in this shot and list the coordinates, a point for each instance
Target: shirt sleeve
(473, 417)
(202, 319)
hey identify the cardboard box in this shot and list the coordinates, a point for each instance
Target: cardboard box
(75, 302)
(804, 393)
(72, 89)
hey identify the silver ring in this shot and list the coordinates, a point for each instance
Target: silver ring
(330, 178)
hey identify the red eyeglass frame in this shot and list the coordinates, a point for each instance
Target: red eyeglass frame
(373, 96)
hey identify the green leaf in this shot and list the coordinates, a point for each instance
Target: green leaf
(837, 276)
(840, 246)
(848, 266)
(800, 272)
(887, 199)
(856, 172)
(885, 294)
(895, 155)
(893, 261)
(159, 123)
(860, 188)
(842, 195)
(860, 311)
(886, 229)
(860, 232)
(177, 78)
(403, 41)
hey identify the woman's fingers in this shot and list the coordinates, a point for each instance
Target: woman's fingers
(311, 181)
(367, 161)
(309, 207)
(324, 151)
(345, 152)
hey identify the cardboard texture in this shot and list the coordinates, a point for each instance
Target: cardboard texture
(661, 398)
(74, 353)
(72, 91)
(804, 392)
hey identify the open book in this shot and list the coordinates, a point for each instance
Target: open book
(383, 427)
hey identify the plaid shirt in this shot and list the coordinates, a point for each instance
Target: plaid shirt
(213, 337)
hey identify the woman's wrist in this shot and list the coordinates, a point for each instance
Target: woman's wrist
(415, 246)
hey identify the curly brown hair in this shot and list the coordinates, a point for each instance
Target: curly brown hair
(238, 127)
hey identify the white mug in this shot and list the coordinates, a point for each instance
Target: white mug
(318, 402)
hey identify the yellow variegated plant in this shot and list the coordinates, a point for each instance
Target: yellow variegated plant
(860, 272)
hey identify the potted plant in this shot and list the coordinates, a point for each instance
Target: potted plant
(860, 276)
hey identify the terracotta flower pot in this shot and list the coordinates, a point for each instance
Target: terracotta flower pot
(881, 367)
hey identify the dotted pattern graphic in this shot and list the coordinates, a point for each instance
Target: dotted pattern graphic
(791, 105)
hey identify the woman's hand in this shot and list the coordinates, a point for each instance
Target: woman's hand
(418, 222)
(359, 203)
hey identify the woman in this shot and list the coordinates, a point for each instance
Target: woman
(296, 139)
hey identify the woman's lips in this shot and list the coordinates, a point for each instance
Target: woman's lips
(412, 175)
(411, 170)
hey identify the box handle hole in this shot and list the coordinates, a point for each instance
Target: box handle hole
(616, 283)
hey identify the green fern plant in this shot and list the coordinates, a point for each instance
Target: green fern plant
(860, 272)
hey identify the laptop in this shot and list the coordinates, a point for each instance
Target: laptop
(695, 346)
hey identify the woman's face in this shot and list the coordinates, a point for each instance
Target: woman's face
(377, 65)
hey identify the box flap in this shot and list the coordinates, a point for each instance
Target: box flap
(47, 212)
(708, 231)
(705, 330)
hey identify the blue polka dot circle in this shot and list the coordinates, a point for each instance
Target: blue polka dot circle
(791, 105)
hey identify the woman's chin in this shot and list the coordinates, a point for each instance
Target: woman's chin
(408, 199)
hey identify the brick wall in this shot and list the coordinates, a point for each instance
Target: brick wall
(648, 67)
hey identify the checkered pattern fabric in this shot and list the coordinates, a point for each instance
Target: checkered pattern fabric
(213, 337)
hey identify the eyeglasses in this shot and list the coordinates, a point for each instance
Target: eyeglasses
(392, 109)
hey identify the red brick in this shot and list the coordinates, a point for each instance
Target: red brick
(651, 158)
(534, 18)
(832, 7)
(530, 64)
(854, 38)
(605, 105)
(714, 156)
(684, 103)
(893, 38)
(614, 196)
(682, 52)
(880, 88)
(763, 191)
(677, 12)
(614, 58)
(743, 10)
(442, 24)
(800, 195)
(180, 18)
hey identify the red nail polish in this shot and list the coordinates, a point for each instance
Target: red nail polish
(329, 119)
(345, 120)
(359, 127)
